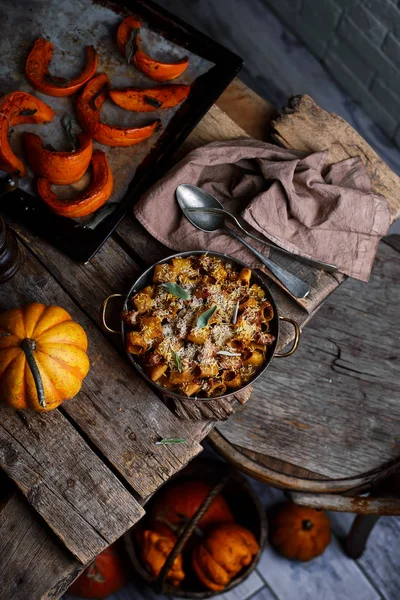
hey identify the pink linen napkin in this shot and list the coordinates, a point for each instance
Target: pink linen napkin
(282, 194)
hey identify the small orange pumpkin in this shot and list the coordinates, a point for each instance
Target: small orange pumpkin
(298, 532)
(223, 554)
(106, 575)
(155, 549)
(43, 357)
(178, 502)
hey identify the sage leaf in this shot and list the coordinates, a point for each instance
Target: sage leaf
(66, 122)
(28, 112)
(204, 318)
(235, 313)
(131, 45)
(166, 441)
(176, 290)
(227, 353)
(58, 81)
(178, 361)
(152, 101)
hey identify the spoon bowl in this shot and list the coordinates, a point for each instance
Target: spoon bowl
(191, 197)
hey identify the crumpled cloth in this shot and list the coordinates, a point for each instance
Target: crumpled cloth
(283, 195)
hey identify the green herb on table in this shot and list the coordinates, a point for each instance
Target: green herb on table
(176, 290)
(204, 318)
(166, 441)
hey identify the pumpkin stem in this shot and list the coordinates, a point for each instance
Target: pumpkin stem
(307, 525)
(28, 346)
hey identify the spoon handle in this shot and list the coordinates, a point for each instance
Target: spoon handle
(317, 264)
(297, 287)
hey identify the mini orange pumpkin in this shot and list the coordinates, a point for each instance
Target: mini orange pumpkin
(155, 548)
(178, 502)
(299, 533)
(106, 575)
(43, 357)
(223, 554)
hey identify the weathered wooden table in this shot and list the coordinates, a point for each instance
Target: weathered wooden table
(85, 470)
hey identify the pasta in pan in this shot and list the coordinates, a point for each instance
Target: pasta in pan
(202, 328)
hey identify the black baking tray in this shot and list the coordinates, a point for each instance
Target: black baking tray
(71, 237)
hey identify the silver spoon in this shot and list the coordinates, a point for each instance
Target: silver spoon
(190, 196)
(317, 264)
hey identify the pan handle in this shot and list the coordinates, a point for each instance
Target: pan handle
(104, 311)
(296, 340)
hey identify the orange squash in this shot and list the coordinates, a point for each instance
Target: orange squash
(155, 549)
(43, 357)
(221, 555)
(179, 501)
(95, 195)
(128, 41)
(299, 533)
(37, 71)
(61, 168)
(151, 99)
(88, 110)
(106, 575)
(17, 108)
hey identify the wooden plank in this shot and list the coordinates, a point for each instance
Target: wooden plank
(32, 559)
(303, 125)
(331, 576)
(115, 407)
(379, 563)
(247, 109)
(333, 407)
(67, 484)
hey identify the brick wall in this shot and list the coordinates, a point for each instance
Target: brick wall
(359, 43)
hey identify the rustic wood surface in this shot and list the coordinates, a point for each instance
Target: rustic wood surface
(33, 563)
(118, 415)
(333, 407)
(304, 125)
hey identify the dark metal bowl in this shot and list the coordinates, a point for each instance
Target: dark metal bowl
(147, 279)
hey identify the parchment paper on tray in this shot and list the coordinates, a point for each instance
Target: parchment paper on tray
(71, 26)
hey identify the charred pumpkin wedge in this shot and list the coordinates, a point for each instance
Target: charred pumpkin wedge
(128, 41)
(61, 168)
(37, 71)
(17, 108)
(88, 110)
(150, 99)
(95, 195)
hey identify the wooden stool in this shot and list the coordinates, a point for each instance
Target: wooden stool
(327, 421)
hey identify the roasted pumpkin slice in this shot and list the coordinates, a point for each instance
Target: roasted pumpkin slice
(61, 168)
(128, 41)
(88, 110)
(95, 195)
(17, 108)
(149, 100)
(37, 71)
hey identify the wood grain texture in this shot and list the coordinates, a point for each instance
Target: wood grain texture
(303, 125)
(31, 557)
(332, 408)
(247, 109)
(353, 504)
(115, 408)
(57, 472)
